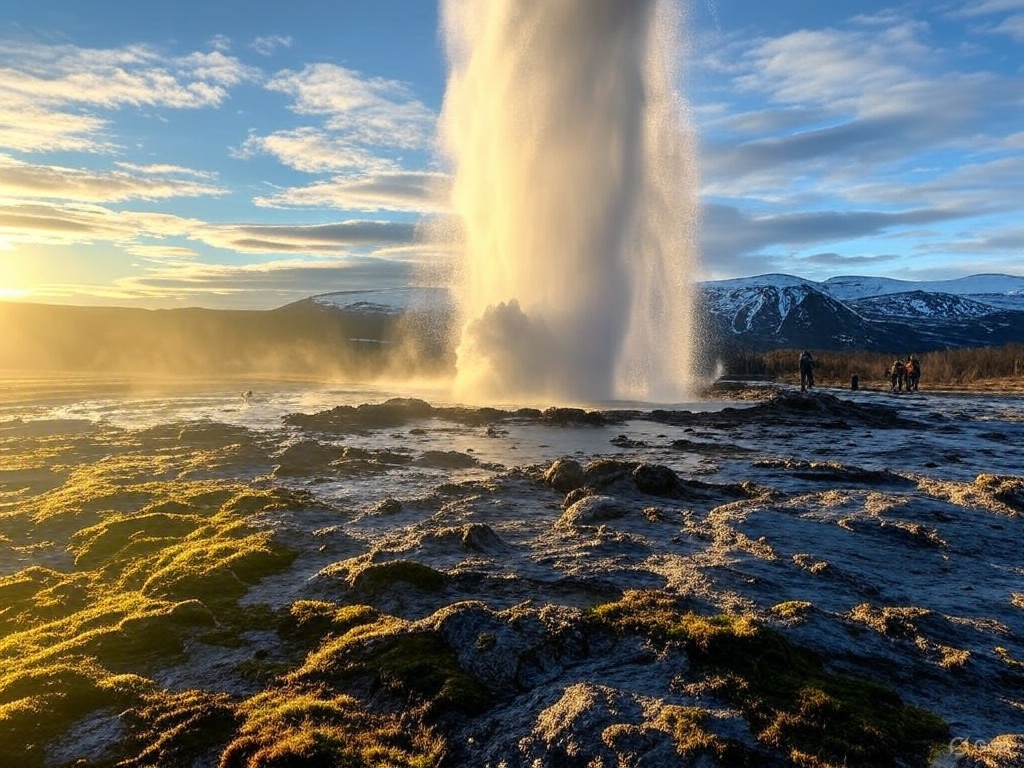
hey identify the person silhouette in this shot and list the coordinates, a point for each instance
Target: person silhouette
(806, 371)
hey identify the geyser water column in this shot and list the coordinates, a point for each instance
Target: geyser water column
(575, 185)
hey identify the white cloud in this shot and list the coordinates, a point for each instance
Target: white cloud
(365, 121)
(26, 127)
(165, 169)
(313, 150)
(220, 43)
(162, 253)
(848, 70)
(867, 115)
(135, 75)
(986, 8)
(45, 90)
(260, 285)
(81, 224)
(267, 45)
(77, 224)
(415, 192)
(1012, 26)
(311, 239)
(27, 181)
(368, 111)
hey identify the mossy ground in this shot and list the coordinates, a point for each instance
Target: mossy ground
(147, 554)
(152, 552)
(790, 700)
(145, 558)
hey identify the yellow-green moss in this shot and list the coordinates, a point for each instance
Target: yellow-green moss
(300, 727)
(381, 577)
(308, 622)
(792, 610)
(686, 725)
(414, 666)
(784, 692)
(41, 703)
(174, 729)
(107, 541)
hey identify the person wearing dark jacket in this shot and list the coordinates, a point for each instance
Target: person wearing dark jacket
(806, 371)
(897, 373)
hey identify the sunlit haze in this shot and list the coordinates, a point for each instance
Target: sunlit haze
(250, 154)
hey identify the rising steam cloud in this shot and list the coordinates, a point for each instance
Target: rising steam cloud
(575, 186)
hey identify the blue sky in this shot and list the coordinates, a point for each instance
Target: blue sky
(230, 154)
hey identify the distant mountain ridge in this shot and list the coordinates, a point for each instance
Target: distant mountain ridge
(778, 311)
(775, 311)
(366, 333)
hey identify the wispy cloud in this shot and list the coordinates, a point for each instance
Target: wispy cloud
(314, 150)
(1012, 26)
(365, 121)
(282, 263)
(730, 229)
(162, 253)
(136, 75)
(986, 8)
(47, 223)
(372, 111)
(71, 224)
(860, 132)
(416, 192)
(306, 239)
(251, 284)
(165, 169)
(267, 45)
(45, 90)
(19, 179)
(27, 127)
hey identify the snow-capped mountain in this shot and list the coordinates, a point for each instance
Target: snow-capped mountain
(921, 304)
(782, 311)
(775, 311)
(1000, 291)
(390, 301)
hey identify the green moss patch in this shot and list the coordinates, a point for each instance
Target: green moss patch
(41, 703)
(112, 539)
(175, 729)
(375, 578)
(783, 691)
(687, 726)
(215, 564)
(36, 595)
(300, 728)
(416, 667)
(308, 622)
(793, 611)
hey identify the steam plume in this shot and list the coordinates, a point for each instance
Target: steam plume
(575, 185)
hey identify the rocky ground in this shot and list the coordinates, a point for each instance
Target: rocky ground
(781, 579)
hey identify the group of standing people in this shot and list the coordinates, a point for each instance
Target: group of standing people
(905, 373)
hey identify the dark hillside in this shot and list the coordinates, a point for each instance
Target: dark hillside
(301, 338)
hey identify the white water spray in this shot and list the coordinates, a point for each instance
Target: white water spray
(575, 184)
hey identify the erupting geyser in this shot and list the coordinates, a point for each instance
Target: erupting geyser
(575, 184)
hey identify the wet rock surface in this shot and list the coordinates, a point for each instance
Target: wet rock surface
(521, 587)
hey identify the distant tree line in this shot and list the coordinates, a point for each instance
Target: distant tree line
(947, 366)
